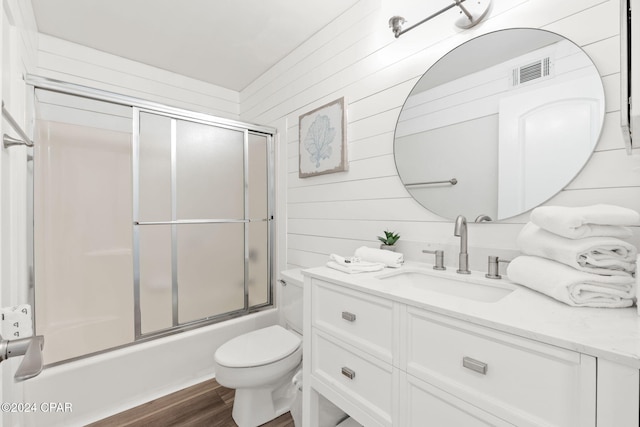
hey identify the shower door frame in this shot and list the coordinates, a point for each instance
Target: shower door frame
(175, 222)
(137, 106)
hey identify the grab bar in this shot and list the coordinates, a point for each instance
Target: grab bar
(451, 181)
(9, 141)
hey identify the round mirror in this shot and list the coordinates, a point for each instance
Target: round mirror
(499, 125)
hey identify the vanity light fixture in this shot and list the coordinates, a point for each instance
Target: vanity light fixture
(471, 13)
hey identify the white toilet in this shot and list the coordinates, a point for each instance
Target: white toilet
(261, 364)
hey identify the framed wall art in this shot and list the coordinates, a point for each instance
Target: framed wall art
(323, 141)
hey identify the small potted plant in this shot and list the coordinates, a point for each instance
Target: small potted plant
(389, 240)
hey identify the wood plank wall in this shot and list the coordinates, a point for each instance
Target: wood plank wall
(69, 62)
(18, 55)
(357, 57)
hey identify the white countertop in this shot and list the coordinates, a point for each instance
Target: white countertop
(610, 333)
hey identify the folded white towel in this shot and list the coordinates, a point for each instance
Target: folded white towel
(637, 286)
(599, 255)
(586, 221)
(352, 265)
(571, 286)
(388, 258)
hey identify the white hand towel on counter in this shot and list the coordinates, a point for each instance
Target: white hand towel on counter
(353, 265)
(586, 221)
(571, 286)
(599, 255)
(388, 258)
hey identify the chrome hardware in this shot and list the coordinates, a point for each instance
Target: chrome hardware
(473, 13)
(439, 265)
(31, 348)
(197, 221)
(493, 267)
(395, 23)
(349, 373)
(348, 316)
(452, 181)
(483, 218)
(460, 230)
(475, 365)
(9, 141)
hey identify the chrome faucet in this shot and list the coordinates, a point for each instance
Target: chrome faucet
(460, 230)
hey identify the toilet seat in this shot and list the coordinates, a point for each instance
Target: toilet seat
(257, 348)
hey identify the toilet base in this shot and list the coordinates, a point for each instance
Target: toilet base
(255, 406)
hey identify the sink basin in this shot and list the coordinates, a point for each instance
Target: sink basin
(473, 288)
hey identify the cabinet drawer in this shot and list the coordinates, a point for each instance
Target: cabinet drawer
(359, 377)
(360, 319)
(525, 382)
(424, 404)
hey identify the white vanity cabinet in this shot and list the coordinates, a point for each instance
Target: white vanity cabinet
(511, 380)
(390, 363)
(352, 351)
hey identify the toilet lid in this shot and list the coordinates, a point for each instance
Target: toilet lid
(260, 347)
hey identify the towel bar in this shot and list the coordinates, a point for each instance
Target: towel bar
(451, 181)
(9, 141)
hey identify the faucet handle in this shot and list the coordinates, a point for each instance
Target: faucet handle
(32, 362)
(31, 348)
(439, 265)
(482, 218)
(493, 267)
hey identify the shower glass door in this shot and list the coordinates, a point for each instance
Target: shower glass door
(82, 225)
(196, 222)
(146, 222)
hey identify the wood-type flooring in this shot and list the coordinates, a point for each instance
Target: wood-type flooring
(207, 404)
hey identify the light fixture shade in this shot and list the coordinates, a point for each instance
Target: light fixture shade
(478, 9)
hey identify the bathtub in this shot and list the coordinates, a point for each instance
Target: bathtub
(96, 387)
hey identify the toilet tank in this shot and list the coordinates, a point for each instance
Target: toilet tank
(292, 299)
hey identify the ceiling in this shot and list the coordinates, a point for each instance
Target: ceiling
(228, 43)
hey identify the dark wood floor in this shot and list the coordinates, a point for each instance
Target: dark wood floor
(207, 404)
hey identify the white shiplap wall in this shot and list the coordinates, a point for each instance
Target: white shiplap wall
(357, 57)
(70, 62)
(18, 56)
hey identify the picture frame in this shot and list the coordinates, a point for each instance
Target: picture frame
(322, 140)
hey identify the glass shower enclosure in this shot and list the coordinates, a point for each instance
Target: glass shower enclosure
(147, 220)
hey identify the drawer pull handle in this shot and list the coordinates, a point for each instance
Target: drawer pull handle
(349, 373)
(475, 365)
(348, 316)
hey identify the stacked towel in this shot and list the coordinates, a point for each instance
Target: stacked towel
(586, 221)
(353, 265)
(576, 255)
(599, 255)
(571, 286)
(388, 258)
